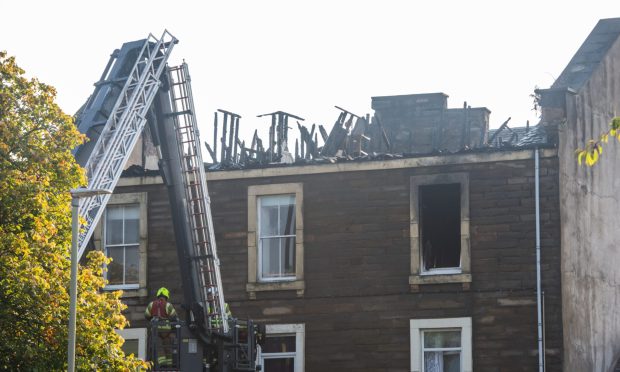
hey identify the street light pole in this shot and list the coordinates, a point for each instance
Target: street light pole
(76, 194)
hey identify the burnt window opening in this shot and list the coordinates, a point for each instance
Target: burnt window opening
(440, 226)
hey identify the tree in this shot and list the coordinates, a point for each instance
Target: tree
(37, 170)
(594, 148)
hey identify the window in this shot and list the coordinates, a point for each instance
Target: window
(122, 242)
(441, 350)
(122, 236)
(275, 238)
(283, 350)
(135, 341)
(439, 229)
(441, 345)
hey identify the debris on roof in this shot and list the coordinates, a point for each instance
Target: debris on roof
(401, 127)
(136, 170)
(504, 136)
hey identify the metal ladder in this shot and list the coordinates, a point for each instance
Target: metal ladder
(122, 130)
(203, 255)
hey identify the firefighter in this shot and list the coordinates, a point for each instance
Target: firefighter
(216, 321)
(162, 312)
(161, 308)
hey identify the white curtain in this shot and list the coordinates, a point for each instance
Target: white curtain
(433, 361)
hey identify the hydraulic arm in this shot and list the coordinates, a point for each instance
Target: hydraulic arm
(138, 88)
(114, 118)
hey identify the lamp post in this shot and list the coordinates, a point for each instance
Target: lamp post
(76, 194)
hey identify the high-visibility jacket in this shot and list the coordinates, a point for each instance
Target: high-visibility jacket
(216, 321)
(160, 308)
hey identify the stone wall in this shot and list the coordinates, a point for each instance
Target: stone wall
(162, 262)
(589, 201)
(357, 304)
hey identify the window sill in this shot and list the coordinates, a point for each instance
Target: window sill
(416, 280)
(129, 292)
(291, 285)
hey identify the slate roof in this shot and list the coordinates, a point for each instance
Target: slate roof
(518, 137)
(589, 55)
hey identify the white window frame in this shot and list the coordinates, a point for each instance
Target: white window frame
(297, 330)
(137, 245)
(135, 334)
(139, 198)
(419, 326)
(255, 283)
(460, 274)
(262, 278)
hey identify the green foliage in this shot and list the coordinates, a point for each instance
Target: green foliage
(37, 171)
(591, 153)
(536, 100)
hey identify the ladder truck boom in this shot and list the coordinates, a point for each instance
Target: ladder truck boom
(183, 170)
(115, 135)
(136, 89)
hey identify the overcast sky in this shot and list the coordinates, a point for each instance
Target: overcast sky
(304, 57)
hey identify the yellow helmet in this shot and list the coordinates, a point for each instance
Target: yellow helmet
(163, 292)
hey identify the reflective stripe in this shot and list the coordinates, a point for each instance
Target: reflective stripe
(216, 320)
(226, 308)
(171, 312)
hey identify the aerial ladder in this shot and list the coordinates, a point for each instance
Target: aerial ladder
(138, 89)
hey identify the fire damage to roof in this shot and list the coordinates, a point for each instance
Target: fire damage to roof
(518, 137)
(402, 126)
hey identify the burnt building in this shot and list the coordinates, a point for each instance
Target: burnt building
(388, 263)
(409, 239)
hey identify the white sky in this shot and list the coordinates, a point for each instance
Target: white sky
(304, 57)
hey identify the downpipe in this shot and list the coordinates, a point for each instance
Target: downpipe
(541, 354)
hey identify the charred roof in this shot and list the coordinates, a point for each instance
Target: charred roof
(402, 126)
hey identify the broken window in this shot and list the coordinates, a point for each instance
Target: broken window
(276, 247)
(440, 226)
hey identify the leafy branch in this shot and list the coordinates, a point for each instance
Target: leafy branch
(36, 171)
(591, 153)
